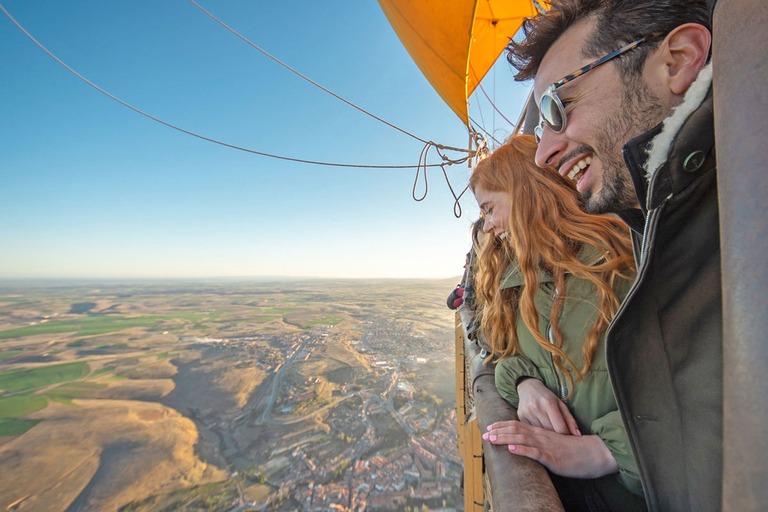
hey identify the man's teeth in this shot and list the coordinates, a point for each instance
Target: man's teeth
(578, 168)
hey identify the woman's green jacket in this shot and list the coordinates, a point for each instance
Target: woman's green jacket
(592, 402)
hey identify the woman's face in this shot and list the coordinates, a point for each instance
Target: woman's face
(494, 206)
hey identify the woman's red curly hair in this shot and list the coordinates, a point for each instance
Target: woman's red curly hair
(548, 225)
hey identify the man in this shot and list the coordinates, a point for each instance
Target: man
(611, 127)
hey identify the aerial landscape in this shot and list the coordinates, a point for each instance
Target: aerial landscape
(149, 146)
(224, 395)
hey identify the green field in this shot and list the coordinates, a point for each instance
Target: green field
(13, 408)
(81, 384)
(256, 319)
(102, 371)
(9, 353)
(32, 378)
(82, 326)
(65, 395)
(111, 345)
(16, 427)
(18, 406)
(91, 325)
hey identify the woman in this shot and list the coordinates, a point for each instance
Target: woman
(550, 281)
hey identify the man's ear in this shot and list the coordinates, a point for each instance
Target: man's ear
(685, 51)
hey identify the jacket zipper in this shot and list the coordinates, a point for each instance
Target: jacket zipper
(645, 235)
(551, 337)
(651, 220)
(560, 385)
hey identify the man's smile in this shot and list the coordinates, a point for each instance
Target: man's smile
(575, 168)
(579, 168)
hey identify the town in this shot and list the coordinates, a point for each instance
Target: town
(386, 445)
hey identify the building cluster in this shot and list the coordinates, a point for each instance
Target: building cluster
(390, 341)
(340, 469)
(298, 392)
(412, 474)
(440, 438)
(416, 420)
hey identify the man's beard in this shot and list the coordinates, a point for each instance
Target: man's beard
(641, 110)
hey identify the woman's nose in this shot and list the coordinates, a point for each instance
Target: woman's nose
(488, 226)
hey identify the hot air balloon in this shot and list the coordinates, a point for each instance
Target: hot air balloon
(456, 42)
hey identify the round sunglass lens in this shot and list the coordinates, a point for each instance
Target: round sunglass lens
(550, 112)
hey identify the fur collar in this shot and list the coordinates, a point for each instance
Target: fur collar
(658, 151)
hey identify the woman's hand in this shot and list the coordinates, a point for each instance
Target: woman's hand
(538, 406)
(564, 455)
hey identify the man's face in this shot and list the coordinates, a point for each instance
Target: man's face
(603, 113)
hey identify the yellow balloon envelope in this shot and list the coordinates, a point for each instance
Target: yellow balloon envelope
(456, 42)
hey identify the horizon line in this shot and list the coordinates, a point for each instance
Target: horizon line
(212, 278)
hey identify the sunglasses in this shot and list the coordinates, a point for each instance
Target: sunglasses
(551, 109)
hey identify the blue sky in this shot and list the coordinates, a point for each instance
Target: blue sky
(89, 188)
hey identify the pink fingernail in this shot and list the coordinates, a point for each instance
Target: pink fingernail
(512, 447)
(578, 432)
(489, 428)
(485, 436)
(493, 438)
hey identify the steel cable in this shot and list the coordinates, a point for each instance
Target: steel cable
(422, 164)
(304, 77)
(494, 106)
(202, 137)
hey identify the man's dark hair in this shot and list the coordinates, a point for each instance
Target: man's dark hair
(618, 22)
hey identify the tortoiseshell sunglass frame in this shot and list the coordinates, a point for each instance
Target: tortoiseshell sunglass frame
(551, 94)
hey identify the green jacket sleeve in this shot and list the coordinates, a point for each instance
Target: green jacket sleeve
(508, 371)
(611, 430)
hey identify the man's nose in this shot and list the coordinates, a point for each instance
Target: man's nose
(551, 146)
